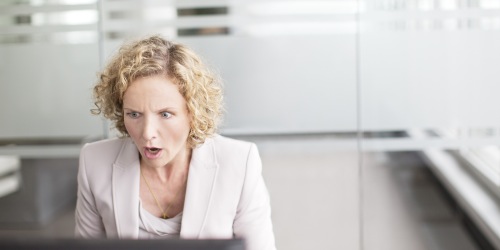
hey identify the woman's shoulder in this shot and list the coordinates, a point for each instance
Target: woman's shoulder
(232, 145)
(105, 144)
(234, 152)
(103, 150)
(220, 140)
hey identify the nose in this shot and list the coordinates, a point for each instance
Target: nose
(150, 129)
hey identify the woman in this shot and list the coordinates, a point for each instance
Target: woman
(170, 175)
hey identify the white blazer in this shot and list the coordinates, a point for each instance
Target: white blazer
(225, 197)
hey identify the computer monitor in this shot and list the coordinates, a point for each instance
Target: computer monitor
(128, 244)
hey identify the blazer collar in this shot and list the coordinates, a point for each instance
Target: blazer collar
(203, 170)
(125, 184)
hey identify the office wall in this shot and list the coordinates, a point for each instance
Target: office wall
(435, 77)
(45, 91)
(284, 70)
(49, 56)
(286, 84)
(290, 72)
(287, 67)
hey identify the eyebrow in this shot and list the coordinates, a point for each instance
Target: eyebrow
(168, 109)
(161, 109)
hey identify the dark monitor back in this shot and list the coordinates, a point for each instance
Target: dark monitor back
(111, 244)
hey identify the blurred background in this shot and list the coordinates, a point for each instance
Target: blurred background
(377, 121)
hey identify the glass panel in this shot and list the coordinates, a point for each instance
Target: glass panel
(46, 72)
(429, 116)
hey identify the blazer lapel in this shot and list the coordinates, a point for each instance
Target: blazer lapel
(201, 179)
(125, 183)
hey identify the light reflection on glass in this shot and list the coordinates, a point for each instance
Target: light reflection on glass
(300, 28)
(70, 37)
(302, 7)
(160, 14)
(73, 17)
(58, 2)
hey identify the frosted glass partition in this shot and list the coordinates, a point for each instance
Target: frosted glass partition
(287, 66)
(286, 84)
(430, 79)
(45, 91)
(429, 84)
(48, 61)
(431, 65)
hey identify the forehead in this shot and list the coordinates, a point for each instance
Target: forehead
(153, 91)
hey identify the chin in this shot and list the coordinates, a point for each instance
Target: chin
(157, 163)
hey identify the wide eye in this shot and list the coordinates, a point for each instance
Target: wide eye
(166, 114)
(133, 115)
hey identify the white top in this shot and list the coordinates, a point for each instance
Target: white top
(152, 227)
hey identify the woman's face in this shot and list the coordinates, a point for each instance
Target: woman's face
(157, 120)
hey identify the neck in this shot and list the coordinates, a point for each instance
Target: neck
(174, 171)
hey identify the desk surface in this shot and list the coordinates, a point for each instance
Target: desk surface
(42, 151)
(40, 148)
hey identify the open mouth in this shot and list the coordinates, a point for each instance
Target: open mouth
(152, 152)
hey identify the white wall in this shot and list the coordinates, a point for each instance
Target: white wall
(45, 90)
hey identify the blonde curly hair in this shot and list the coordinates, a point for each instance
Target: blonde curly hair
(153, 56)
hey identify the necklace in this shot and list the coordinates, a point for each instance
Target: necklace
(164, 212)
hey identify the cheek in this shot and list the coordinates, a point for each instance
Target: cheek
(131, 128)
(178, 130)
(187, 125)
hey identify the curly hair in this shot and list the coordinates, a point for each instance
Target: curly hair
(153, 56)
